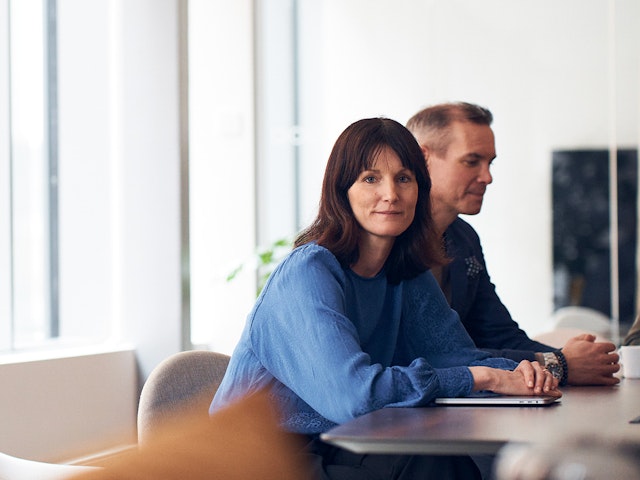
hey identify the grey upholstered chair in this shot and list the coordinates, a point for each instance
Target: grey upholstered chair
(184, 382)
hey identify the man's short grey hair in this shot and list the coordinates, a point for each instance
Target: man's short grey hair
(431, 125)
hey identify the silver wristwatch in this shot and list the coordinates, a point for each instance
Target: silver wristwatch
(552, 364)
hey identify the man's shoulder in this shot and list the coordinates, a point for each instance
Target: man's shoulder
(461, 229)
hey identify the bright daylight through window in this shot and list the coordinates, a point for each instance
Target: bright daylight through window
(28, 172)
(51, 294)
(75, 181)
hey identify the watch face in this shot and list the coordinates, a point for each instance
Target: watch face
(554, 368)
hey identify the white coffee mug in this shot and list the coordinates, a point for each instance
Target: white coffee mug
(630, 360)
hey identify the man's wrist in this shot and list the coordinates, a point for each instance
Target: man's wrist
(565, 368)
(556, 363)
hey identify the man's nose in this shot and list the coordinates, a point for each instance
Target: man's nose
(485, 175)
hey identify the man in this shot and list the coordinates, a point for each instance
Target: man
(633, 335)
(459, 147)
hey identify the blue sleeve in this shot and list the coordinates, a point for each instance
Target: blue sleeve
(302, 336)
(436, 332)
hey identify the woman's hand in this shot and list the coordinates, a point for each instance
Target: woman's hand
(529, 378)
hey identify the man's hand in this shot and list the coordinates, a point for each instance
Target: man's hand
(591, 362)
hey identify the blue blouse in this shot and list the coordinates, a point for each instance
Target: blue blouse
(331, 345)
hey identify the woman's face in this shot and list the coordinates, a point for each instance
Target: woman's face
(383, 199)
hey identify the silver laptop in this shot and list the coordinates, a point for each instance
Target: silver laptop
(490, 398)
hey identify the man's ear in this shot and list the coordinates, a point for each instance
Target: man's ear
(425, 153)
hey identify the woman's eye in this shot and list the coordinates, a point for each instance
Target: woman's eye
(405, 179)
(369, 179)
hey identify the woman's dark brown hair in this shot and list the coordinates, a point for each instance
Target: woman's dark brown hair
(336, 228)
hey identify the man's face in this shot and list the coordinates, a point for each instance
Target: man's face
(460, 177)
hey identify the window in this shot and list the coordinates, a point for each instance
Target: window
(62, 237)
(5, 185)
(582, 253)
(29, 174)
(54, 280)
(245, 163)
(117, 208)
(221, 168)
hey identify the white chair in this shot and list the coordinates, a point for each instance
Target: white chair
(583, 318)
(14, 468)
(558, 337)
(183, 382)
(593, 458)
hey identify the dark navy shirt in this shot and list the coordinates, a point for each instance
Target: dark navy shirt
(474, 297)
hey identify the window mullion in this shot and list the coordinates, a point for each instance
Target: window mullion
(6, 266)
(51, 127)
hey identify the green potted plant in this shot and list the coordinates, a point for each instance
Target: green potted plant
(264, 260)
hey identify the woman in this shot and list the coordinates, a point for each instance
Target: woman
(352, 320)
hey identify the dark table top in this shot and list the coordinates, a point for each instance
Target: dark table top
(604, 411)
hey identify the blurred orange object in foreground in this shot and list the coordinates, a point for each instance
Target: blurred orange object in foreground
(241, 441)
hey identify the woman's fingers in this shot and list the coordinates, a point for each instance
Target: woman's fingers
(542, 376)
(536, 377)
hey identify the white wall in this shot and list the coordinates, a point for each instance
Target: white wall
(150, 255)
(57, 409)
(120, 174)
(541, 67)
(221, 168)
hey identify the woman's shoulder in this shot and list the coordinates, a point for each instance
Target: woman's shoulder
(304, 269)
(310, 252)
(310, 256)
